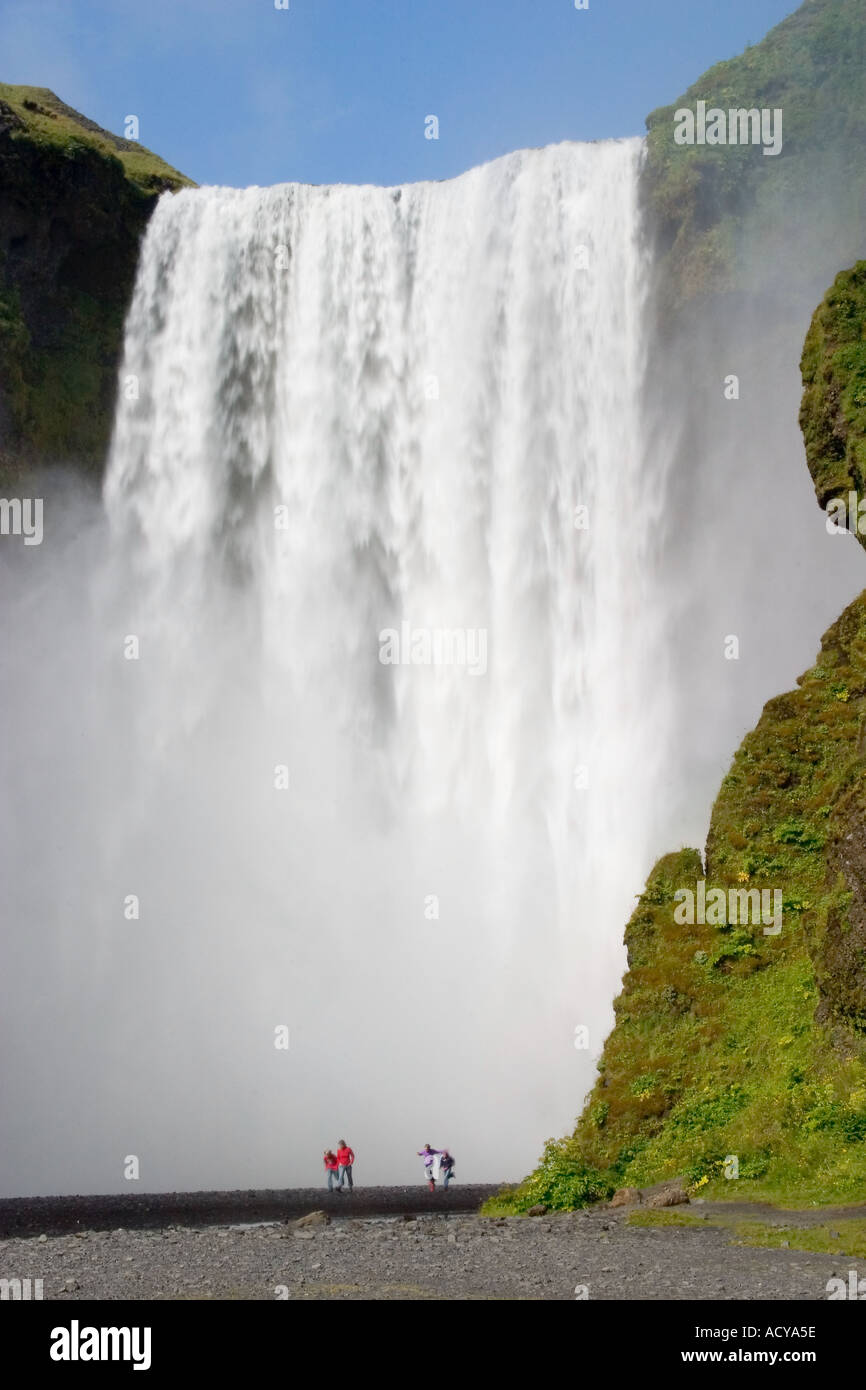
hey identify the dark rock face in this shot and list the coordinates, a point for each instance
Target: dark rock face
(74, 202)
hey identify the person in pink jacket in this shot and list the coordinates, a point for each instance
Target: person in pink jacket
(345, 1158)
(331, 1165)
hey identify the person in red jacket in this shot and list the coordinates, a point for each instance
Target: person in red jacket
(332, 1163)
(345, 1158)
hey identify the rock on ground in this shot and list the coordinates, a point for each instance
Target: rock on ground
(452, 1257)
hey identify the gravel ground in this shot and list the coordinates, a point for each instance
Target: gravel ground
(431, 1256)
(36, 1216)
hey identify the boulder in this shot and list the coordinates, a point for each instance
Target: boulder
(313, 1218)
(669, 1194)
(625, 1197)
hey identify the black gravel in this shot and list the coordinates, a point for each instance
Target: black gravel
(593, 1255)
(33, 1216)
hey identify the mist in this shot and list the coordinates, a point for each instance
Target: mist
(341, 410)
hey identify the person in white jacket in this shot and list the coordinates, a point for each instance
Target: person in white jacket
(432, 1159)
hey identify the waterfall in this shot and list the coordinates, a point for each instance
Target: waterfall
(375, 684)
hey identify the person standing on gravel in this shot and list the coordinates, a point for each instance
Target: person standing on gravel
(345, 1158)
(332, 1163)
(446, 1163)
(431, 1159)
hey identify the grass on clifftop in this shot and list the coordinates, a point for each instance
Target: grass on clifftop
(48, 121)
(74, 203)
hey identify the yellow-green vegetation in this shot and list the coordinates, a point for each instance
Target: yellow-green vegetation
(731, 1042)
(74, 202)
(833, 413)
(843, 1236)
(47, 121)
(713, 204)
(836, 1238)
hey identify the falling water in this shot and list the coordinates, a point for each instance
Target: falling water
(346, 412)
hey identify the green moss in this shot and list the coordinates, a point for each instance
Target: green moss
(833, 412)
(829, 1240)
(743, 1065)
(14, 346)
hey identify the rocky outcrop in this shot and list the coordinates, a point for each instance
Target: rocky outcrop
(74, 202)
(833, 413)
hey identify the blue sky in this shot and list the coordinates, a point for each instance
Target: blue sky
(237, 92)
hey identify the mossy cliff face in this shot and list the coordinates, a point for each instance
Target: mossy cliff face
(833, 413)
(713, 207)
(733, 1042)
(74, 202)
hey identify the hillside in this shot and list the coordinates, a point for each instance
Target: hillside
(74, 202)
(716, 209)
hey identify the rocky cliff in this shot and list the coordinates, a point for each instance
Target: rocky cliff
(833, 413)
(74, 201)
